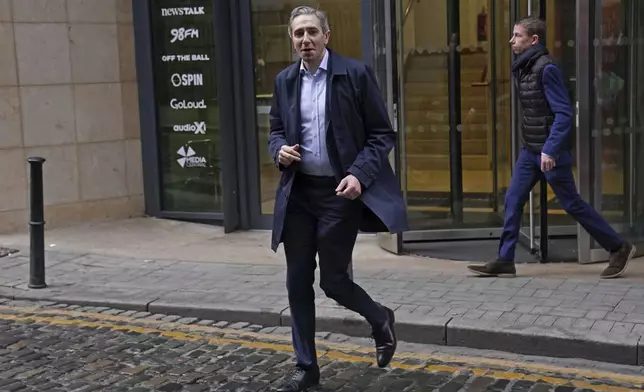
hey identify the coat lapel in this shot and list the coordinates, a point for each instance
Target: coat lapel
(336, 68)
(294, 92)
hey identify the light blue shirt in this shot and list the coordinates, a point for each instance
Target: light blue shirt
(313, 148)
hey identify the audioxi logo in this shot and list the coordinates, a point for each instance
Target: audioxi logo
(198, 128)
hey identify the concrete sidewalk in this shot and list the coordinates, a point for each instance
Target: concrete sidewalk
(553, 310)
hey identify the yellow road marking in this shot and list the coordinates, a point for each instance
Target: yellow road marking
(337, 351)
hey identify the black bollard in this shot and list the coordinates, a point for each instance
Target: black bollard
(37, 226)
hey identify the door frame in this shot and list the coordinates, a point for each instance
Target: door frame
(380, 14)
(585, 108)
(463, 234)
(534, 226)
(455, 118)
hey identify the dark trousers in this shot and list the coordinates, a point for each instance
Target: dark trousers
(527, 173)
(319, 222)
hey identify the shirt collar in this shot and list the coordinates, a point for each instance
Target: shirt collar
(323, 63)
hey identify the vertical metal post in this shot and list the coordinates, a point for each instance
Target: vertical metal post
(514, 110)
(531, 195)
(586, 107)
(632, 110)
(531, 219)
(454, 91)
(36, 226)
(494, 101)
(543, 224)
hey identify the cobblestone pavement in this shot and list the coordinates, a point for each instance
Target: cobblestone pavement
(581, 318)
(57, 347)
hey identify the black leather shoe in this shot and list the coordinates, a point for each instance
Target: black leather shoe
(300, 380)
(385, 338)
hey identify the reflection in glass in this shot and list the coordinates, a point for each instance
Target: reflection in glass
(560, 41)
(426, 111)
(503, 87)
(187, 107)
(617, 134)
(273, 52)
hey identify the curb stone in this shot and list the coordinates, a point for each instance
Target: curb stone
(446, 331)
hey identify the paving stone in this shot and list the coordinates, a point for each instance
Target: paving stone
(115, 312)
(238, 325)
(187, 320)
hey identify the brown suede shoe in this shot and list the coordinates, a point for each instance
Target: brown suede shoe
(618, 261)
(494, 269)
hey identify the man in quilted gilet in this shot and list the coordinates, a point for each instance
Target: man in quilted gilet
(546, 127)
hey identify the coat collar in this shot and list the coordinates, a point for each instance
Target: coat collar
(324, 64)
(526, 59)
(337, 65)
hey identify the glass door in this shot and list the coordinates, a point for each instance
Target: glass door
(561, 229)
(271, 52)
(385, 65)
(616, 168)
(449, 115)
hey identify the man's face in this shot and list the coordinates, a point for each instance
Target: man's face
(308, 39)
(521, 41)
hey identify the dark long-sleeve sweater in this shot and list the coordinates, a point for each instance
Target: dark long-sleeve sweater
(559, 100)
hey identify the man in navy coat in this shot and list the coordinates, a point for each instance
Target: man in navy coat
(330, 137)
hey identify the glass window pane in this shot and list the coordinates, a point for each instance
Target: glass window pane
(183, 44)
(617, 128)
(425, 85)
(273, 52)
(561, 42)
(503, 80)
(477, 112)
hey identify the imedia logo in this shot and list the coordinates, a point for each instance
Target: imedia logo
(188, 158)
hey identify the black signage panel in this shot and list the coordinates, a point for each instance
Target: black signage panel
(187, 107)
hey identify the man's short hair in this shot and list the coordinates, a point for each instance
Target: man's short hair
(533, 26)
(306, 10)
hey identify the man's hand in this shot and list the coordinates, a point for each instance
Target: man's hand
(288, 154)
(547, 163)
(349, 188)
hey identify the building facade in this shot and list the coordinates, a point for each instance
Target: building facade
(204, 78)
(68, 93)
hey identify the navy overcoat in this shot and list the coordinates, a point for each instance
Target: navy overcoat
(359, 139)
